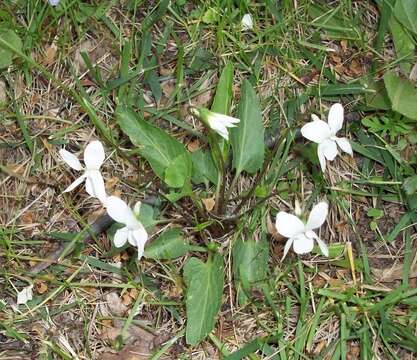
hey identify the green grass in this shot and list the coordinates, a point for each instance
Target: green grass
(157, 59)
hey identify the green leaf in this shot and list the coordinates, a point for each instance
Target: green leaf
(223, 101)
(204, 294)
(335, 250)
(146, 215)
(179, 171)
(403, 42)
(250, 264)
(406, 13)
(210, 16)
(402, 94)
(224, 91)
(332, 23)
(152, 80)
(378, 98)
(247, 138)
(375, 213)
(204, 169)
(342, 89)
(150, 19)
(10, 37)
(155, 145)
(174, 196)
(410, 185)
(169, 245)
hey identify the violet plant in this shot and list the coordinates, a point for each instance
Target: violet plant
(236, 142)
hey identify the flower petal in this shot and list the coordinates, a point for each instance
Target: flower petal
(314, 117)
(329, 149)
(247, 22)
(140, 236)
(131, 238)
(117, 209)
(227, 120)
(316, 131)
(344, 144)
(141, 250)
(131, 221)
(95, 186)
(287, 247)
(303, 244)
(220, 122)
(89, 187)
(317, 216)
(94, 155)
(70, 159)
(25, 295)
(335, 117)
(288, 225)
(120, 237)
(75, 183)
(220, 128)
(323, 247)
(322, 158)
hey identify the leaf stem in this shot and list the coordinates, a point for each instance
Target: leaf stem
(221, 183)
(261, 174)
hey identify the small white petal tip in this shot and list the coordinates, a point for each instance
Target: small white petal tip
(247, 22)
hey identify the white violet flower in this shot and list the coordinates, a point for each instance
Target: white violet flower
(301, 235)
(54, 2)
(134, 232)
(324, 134)
(216, 121)
(93, 158)
(247, 22)
(25, 295)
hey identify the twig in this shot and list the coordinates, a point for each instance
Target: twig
(29, 180)
(96, 228)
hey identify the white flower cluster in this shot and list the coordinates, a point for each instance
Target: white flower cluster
(300, 235)
(117, 209)
(324, 134)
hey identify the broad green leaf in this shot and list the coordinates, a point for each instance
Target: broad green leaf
(402, 94)
(403, 42)
(169, 245)
(410, 185)
(204, 296)
(204, 169)
(146, 215)
(250, 265)
(378, 98)
(247, 138)
(223, 98)
(406, 13)
(155, 145)
(10, 37)
(223, 101)
(174, 196)
(179, 171)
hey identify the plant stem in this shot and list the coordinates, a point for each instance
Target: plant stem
(261, 174)
(221, 183)
(232, 185)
